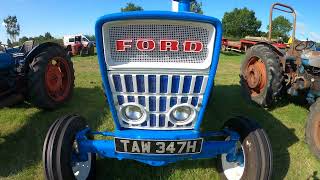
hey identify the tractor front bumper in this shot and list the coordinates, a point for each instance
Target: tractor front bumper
(164, 155)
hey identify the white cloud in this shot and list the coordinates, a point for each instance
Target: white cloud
(3, 24)
(314, 36)
(299, 14)
(301, 30)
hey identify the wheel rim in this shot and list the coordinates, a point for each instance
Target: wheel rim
(81, 170)
(256, 76)
(58, 79)
(233, 170)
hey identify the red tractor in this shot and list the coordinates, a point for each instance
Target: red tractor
(78, 45)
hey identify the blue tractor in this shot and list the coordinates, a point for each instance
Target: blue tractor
(268, 74)
(158, 70)
(41, 74)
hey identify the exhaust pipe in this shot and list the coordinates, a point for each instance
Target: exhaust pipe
(180, 5)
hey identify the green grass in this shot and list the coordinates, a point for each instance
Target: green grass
(23, 128)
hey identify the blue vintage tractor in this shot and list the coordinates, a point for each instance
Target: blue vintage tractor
(158, 72)
(268, 73)
(41, 74)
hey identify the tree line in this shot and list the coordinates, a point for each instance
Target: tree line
(237, 24)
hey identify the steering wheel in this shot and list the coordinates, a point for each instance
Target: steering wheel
(303, 45)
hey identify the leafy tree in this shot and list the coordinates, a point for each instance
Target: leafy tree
(12, 27)
(48, 36)
(41, 39)
(131, 7)
(196, 7)
(281, 27)
(23, 39)
(240, 23)
(9, 43)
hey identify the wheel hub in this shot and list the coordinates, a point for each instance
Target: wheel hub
(233, 170)
(54, 81)
(255, 75)
(58, 79)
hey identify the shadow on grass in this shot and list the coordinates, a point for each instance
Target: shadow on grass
(231, 53)
(227, 103)
(230, 103)
(23, 148)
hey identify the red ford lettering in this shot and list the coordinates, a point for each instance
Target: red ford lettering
(148, 44)
(145, 44)
(192, 46)
(169, 45)
(123, 44)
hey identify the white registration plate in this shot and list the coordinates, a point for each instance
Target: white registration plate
(137, 146)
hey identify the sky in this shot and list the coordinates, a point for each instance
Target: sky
(61, 17)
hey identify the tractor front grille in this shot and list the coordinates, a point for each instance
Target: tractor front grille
(157, 93)
(157, 80)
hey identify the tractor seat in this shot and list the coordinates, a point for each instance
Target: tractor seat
(26, 47)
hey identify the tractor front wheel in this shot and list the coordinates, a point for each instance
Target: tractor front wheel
(60, 151)
(254, 153)
(312, 130)
(261, 76)
(50, 78)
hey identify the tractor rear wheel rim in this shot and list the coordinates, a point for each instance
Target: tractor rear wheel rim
(256, 76)
(58, 79)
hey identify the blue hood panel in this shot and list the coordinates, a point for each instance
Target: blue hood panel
(6, 61)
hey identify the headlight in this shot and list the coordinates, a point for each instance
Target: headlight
(133, 113)
(182, 114)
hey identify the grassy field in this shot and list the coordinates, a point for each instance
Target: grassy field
(23, 128)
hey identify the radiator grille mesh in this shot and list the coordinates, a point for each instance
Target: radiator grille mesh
(158, 31)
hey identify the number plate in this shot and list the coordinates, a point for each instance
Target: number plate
(136, 146)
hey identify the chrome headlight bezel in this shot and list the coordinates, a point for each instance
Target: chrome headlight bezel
(189, 119)
(124, 117)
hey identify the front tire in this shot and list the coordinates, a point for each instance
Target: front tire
(261, 76)
(50, 78)
(257, 153)
(312, 130)
(59, 151)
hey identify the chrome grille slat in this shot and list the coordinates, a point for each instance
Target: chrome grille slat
(204, 84)
(157, 123)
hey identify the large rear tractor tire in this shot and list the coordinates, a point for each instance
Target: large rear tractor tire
(60, 151)
(255, 148)
(261, 75)
(312, 130)
(50, 78)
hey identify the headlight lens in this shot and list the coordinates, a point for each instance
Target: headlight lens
(181, 113)
(132, 112)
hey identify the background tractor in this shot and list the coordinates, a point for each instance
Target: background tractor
(42, 74)
(267, 73)
(78, 45)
